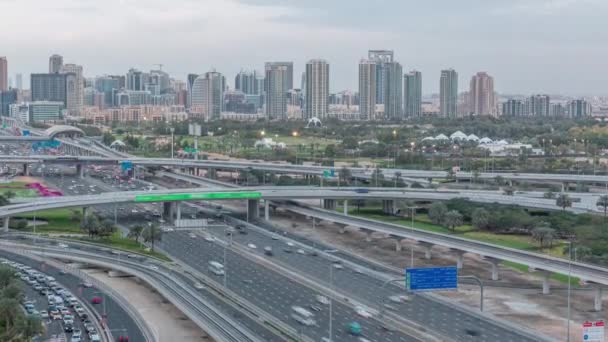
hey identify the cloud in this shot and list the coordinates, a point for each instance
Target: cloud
(546, 7)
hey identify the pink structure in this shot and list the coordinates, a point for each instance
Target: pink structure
(43, 190)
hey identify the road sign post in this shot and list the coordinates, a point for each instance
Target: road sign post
(431, 278)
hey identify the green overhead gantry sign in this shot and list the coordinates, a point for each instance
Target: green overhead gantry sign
(199, 196)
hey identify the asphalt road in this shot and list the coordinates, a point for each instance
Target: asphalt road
(118, 320)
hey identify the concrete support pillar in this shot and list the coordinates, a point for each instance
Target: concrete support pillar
(178, 210)
(459, 259)
(168, 210)
(26, 171)
(329, 204)
(546, 285)
(6, 223)
(398, 246)
(427, 249)
(368, 237)
(388, 207)
(342, 228)
(510, 182)
(494, 264)
(211, 173)
(266, 211)
(253, 209)
(597, 302)
(80, 170)
(564, 186)
(85, 212)
(345, 207)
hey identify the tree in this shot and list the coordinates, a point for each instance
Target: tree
(4, 201)
(563, 201)
(377, 176)
(9, 194)
(151, 234)
(330, 151)
(135, 232)
(106, 228)
(452, 219)
(437, 212)
(90, 225)
(476, 175)
(544, 235)
(509, 191)
(603, 202)
(108, 138)
(76, 215)
(499, 180)
(345, 175)
(480, 218)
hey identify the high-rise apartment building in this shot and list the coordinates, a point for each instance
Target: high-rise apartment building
(557, 110)
(514, 107)
(367, 89)
(317, 88)
(7, 98)
(245, 82)
(278, 80)
(482, 99)
(393, 91)
(3, 74)
(448, 93)
(381, 57)
(75, 88)
(412, 94)
(208, 95)
(538, 105)
(50, 87)
(579, 108)
(108, 86)
(55, 64)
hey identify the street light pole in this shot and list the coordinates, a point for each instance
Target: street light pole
(569, 288)
(331, 285)
(413, 209)
(172, 140)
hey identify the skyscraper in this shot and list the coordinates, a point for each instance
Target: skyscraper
(412, 94)
(276, 84)
(208, 95)
(55, 64)
(513, 108)
(49, 87)
(136, 80)
(381, 57)
(393, 90)
(245, 82)
(482, 100)
(75, 88)
(3, 74)
(579, 108)
(317, 88)
(448, 93)
(108, 85)
(19, 81)
(367, 89)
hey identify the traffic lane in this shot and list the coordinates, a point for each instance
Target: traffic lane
(446, 320)
(268, 290)
(117, 319)
(51, 327)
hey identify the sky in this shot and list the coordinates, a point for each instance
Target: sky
(528, 46)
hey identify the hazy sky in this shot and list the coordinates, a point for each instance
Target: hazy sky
(554, 46)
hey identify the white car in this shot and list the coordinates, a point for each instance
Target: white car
(290, 244)
(322, 299)
(301, 251)
(199, 286)
(252, 246)
(192, 235)
(338, 266)
(62, 245)
(362, 312)
(209, 239)
(152, 267)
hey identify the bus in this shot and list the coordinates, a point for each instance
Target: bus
(302, 315)
(216, 268)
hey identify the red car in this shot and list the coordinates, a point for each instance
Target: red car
(96, 300)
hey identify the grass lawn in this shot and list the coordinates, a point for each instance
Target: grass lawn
(120, 242)
(521, 242)
(58, 221)
(18, 188)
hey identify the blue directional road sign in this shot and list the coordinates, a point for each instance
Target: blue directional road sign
(431, 278)
(126, 165)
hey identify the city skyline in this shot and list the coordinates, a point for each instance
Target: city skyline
(548, 59)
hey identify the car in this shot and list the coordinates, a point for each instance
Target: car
(68, 328)
(361, 311)
(96, 300)
(55, 314)
(199, 286)
(209, 239)
(243, 232)
(81, 313)
(361, 191)
(152, 267)
(94, 338)
(315, 307)
(86, 284)
(301, 251)
(290, 244)
(247, 281)
(68, 319)
(38, 287)
(192, 235)
(77, 333)
(338, 266)
(252, 246)
(65, 311)
(131, 256)
(287, 250)
(322, 299)
(44, 314)
(73, 339)
(62, 245)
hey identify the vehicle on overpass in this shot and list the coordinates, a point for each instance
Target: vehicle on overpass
(216, 268)
(302, 316)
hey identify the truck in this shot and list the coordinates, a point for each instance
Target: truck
(268, 250)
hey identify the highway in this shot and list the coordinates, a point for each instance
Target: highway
(285, 168)
(184, 247)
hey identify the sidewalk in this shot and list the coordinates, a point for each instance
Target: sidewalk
(165, 320)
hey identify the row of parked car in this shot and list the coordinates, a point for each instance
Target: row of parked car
(62, 305)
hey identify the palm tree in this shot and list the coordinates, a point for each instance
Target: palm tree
(452, 219)
(603, 202)
(152, 234)
(135, 232)
(563, 201)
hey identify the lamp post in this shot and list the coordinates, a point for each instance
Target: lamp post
(395, 147)
(225, 259)
(413, 209)
(569, 287)
(172, 130)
